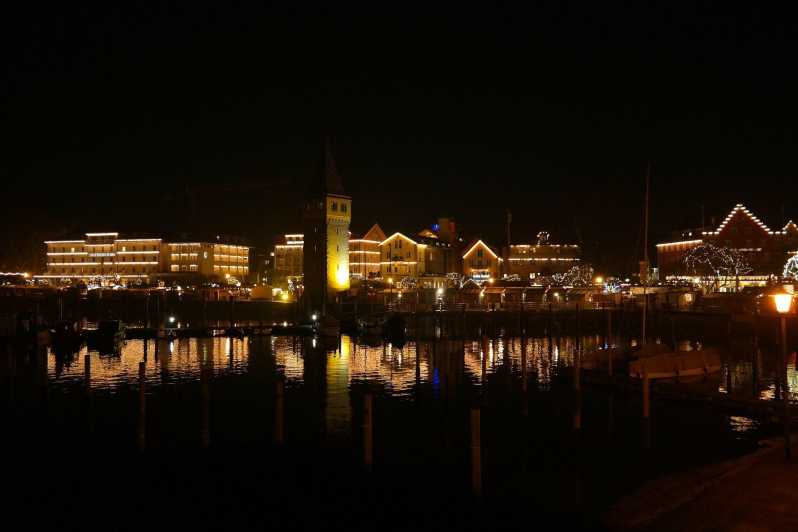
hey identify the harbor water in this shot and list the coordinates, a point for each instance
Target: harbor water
(307, 433)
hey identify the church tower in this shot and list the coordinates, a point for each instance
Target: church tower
(327, 213)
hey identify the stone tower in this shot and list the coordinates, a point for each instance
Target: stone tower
(326, 216)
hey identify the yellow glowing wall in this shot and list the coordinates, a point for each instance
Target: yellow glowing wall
(339, 214)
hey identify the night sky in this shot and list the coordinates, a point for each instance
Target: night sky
(115, 116)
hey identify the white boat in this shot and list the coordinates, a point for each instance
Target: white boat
(677, 364)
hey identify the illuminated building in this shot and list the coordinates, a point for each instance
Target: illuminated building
(327, 213)
(765, 250)
(543, 258)
(480, 262)
(205, 258)
(364, 253)
(288, 256)
(103, 257)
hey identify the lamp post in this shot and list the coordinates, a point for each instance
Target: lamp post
(390, 283)
(784, 307)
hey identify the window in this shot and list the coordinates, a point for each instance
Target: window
(334, 207)
(479, 253)
(343, 207)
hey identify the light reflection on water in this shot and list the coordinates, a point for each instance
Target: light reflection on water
(398, 370)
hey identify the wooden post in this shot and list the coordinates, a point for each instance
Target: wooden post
(476, 452)
(577, 369)
(205, 433)
(87, 372)
(279, 412)
(785, 391)
(646, 395)
(368, 431)
(141, 432)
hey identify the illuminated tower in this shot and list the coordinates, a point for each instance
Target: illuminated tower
(327, 213)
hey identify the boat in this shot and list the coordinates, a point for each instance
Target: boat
(65, 337)
(677, 364)
(107, 337)
(370, 326)
(328, 326)
(599, 358)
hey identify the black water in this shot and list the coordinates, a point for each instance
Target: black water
(74, 459)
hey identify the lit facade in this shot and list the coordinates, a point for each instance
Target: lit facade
(401, 256)
(764, 249)
(480, 262)
(530, 260)
(103, 257)
(206, 258)
(364, 254)
(288, 258)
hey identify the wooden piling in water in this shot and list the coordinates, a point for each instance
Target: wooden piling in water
(205, 433)
(368, 431)
(279, 412)
(476, 452)
(646, 395)
(87, 372)
(141, 430)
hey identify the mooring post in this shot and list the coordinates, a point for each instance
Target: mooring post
(279, 412)
(785, 390)
(141, 432)
(87, 372)
(205, 433)
(646, 394)
(476, 452)
(368, 431)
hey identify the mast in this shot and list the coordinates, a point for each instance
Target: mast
(644, 264)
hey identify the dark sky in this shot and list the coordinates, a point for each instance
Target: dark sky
(116, 115)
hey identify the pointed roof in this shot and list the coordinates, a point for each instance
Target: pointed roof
(327, 179)
(741, 210)
(477, 243)
(375, 233)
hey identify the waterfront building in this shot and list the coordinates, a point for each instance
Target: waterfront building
(102, 257)
(528, 261)
(210, 259)
(364, 253)
(288, 258)
(426, 255)
(481, 262)
(764, 249)
(326, 218)
(105, 258)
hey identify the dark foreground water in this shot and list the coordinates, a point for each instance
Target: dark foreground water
(79, 455)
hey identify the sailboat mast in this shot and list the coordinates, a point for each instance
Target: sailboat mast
(644, 266)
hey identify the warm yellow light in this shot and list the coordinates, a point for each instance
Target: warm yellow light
(227, 276)
(390, 280)
(783, 302)
(284, 296)
(26, 275)
(599, 280)
(490, 280)
(341, 277)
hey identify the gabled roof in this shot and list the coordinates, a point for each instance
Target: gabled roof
(400, 235)
(789, 227)
(375, 233)
(741, 210)
(476, 243)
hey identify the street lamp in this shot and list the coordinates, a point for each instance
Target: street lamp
(784, 307)
(390, 282)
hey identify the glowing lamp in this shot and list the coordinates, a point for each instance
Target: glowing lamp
(783, 303)
(284, 296)
(314, 317)
(390, 280)
(599, 280)
(171, 319)
(440, 292)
